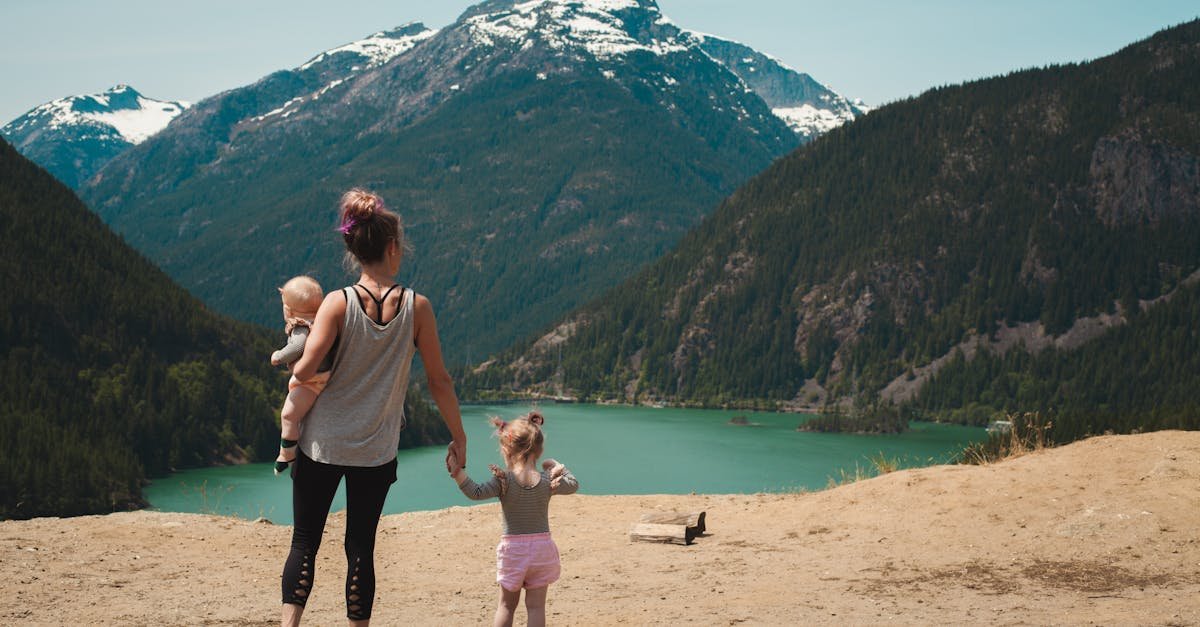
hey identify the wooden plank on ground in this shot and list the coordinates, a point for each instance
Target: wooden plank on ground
(688, 519)
(655, 532)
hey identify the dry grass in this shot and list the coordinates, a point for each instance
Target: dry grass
(1029, 433)
(880, 465)
(1085, 576)
(990, 578)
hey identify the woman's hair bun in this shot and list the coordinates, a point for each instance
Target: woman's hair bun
(360, 205)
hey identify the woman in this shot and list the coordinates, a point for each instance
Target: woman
(353, 429)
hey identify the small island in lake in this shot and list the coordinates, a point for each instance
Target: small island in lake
(742, 421)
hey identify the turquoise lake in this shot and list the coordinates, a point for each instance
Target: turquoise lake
(611, 449)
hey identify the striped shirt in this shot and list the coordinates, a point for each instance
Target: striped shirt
(526, 509)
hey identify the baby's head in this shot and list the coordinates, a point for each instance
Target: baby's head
(301, 298)
(522, 438)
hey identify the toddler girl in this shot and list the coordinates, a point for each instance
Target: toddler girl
(526, 556)
(301, 297)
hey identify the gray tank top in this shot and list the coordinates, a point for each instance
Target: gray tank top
(356, 421)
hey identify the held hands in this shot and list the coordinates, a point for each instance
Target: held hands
(456, 457)
(457, 470)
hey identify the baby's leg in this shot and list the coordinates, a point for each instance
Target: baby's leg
(535, 606)
(295, 407)
(506, 608)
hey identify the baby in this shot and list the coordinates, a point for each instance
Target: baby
(301, 297)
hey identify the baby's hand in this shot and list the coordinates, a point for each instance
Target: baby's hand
(499, 473)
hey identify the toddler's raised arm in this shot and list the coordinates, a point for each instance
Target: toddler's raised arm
(562, 481)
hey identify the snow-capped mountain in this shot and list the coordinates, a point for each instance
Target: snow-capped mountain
(601, 31)
(809, 108)
(540, 151)
(73, 137)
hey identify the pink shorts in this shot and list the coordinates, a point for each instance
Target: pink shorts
(526, 561)
(316, 383)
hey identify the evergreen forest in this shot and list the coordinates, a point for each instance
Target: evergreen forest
(111, 373)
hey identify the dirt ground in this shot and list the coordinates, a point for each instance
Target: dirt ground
(1104, 531)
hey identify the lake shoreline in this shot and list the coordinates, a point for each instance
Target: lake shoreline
(662, 458)
(781, 407)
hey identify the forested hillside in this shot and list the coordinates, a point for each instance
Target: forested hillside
(110, 372)
(1141, 376)
(1051, 202)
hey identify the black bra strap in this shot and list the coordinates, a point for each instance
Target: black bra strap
(378, 301)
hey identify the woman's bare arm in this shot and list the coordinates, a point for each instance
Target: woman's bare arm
(324, 332)
(441, 386)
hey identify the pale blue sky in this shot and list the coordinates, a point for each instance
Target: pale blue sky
(877, 50)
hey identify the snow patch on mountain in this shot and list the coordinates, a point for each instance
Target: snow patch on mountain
(592, 25)
(137, 125)
(351, 60)
(809, 108)
(807, 119)
(377, 49)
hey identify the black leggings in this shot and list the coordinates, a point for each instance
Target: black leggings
(313, 487)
